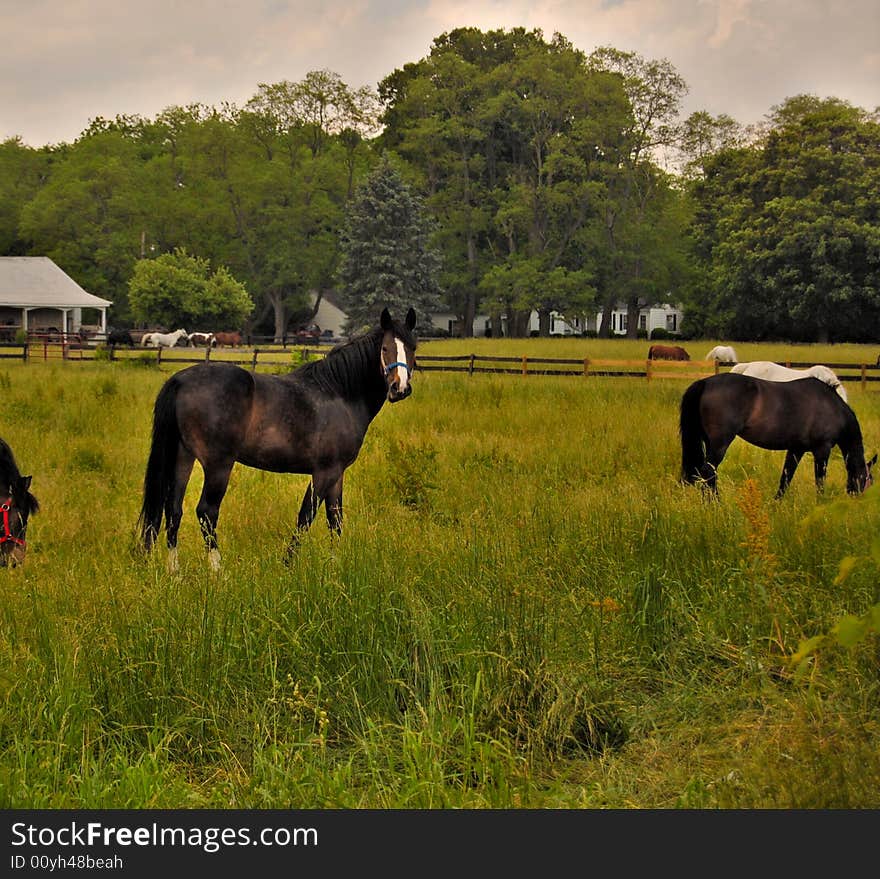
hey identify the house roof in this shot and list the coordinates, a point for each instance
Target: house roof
(36, 282)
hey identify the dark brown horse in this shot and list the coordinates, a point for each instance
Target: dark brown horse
(797, 417)
(667, 352)
(311, 421)
(16, 505)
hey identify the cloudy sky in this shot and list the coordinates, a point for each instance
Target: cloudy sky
(64, 62)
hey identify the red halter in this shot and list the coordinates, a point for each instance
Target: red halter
(7, 536)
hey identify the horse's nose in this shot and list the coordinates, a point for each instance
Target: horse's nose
(395, 393)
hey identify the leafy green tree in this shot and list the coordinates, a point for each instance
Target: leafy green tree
(506, 130)
(636, 191)
(788, 227)
(179, 290)
(22, 172)
(386, 255)
(89, 215)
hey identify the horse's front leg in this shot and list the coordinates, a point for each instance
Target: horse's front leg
(820, 467)
(792, 459)
(321, 486)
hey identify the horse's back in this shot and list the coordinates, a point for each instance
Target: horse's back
(799, 413)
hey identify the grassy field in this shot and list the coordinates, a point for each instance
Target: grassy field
(525, 610)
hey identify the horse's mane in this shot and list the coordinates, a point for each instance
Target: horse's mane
(8, 467)
(347, 364)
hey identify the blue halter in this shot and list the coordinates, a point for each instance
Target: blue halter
(391, 366)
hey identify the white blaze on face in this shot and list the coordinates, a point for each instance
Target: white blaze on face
(402, 373)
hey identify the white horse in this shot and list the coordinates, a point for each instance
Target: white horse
(163, 340)
(724, 353)
(775, 372)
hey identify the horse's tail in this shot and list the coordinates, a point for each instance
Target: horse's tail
(693, 437)
(161, 464)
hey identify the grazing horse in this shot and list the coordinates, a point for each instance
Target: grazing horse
(230, 339)
(205, 340)
(311, 421)
(163, 340)
(120, 337)
(775, 372)
(722, 353)
(667, 352)
(797, 416)
(16, 505)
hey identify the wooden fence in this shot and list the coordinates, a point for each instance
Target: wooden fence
(471, 364)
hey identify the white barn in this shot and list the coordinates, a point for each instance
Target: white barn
(35, 294)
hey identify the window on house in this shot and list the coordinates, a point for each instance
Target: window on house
(672, 322)
(643, 321)
(623, 322)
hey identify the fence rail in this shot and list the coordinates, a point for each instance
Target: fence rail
(471, 364)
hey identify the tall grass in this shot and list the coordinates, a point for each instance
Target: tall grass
(525, 609)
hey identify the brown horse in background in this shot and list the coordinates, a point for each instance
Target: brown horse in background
(667, 352)
(230, 339)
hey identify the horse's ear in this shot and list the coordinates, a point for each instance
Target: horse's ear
(411, 319)
(385, 320)
(22, 495)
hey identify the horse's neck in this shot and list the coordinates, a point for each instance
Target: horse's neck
(850, 441)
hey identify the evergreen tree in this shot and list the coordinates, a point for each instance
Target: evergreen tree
(386, 256)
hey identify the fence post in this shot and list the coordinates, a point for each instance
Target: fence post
(586, 366)
(158, 355)
(471, 365)
(525, 365)
(254, 360)
(24, 352)
(207, 353)
(648, 369)
(864, 377)
(716, 367)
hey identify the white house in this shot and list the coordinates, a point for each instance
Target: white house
(35, 294)
(666, 317)
(329, 315)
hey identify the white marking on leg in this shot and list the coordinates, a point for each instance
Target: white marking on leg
(403, 374)
(214, 559)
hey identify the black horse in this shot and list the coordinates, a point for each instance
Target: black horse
(16, 505)
(805, 415)
(120, 337)
(312, 421)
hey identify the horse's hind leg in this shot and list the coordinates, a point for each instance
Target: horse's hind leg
(792, 459)
(174, 503)
(333, 507)
(715, 452)
(208, 509)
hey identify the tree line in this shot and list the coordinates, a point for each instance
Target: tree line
(502, 173)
